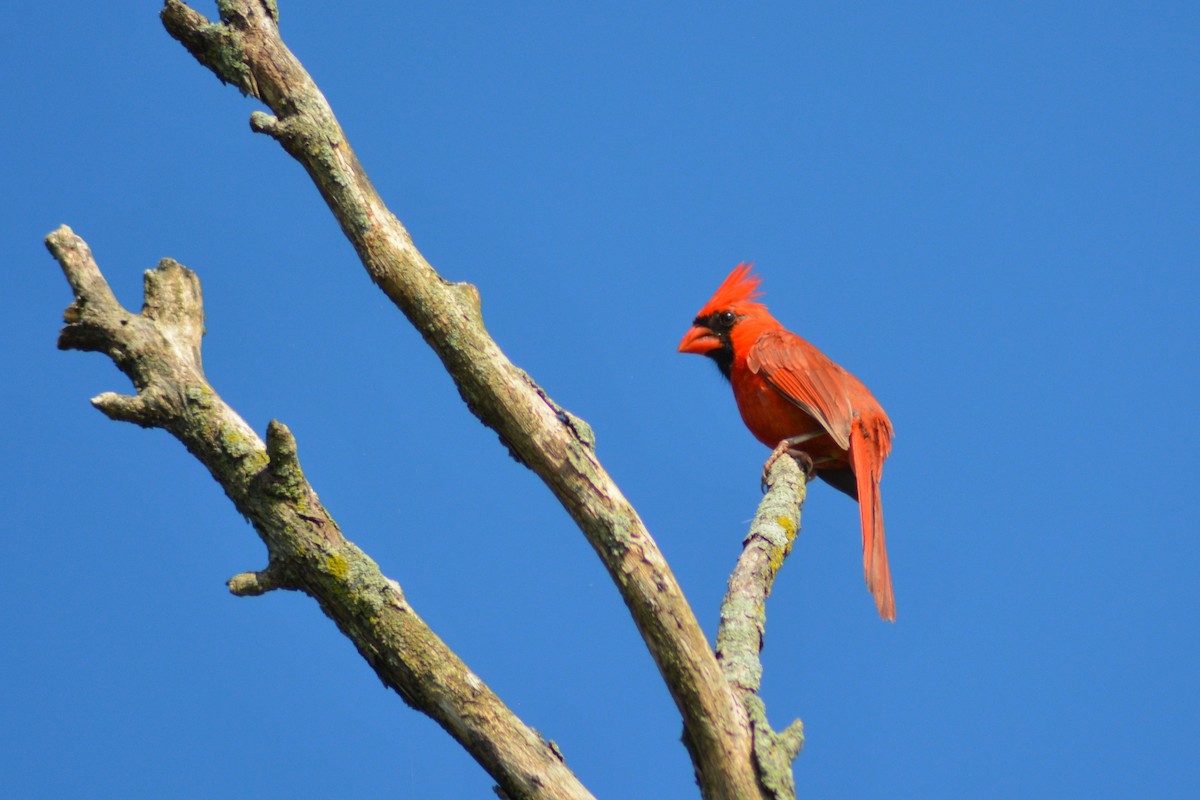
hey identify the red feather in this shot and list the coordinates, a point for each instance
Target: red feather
(739, 287)
(785, 387)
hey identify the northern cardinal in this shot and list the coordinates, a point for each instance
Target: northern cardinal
(795, 400)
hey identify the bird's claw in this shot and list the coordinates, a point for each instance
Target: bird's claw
(789, 447)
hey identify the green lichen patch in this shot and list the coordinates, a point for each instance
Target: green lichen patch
(337, 565)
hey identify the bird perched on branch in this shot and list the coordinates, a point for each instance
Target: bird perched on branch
(794, 399)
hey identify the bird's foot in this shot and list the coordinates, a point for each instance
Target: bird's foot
(791, 447)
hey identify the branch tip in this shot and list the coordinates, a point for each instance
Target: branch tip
(217, 46)
(283, 465)
(774, 752)
(470, 295)
(253, 584)
(262, 122)
(281, 444)
(122, 408)
(79, 267)
(56, 239)
(791, 739)
(183, 21)
(172, 292)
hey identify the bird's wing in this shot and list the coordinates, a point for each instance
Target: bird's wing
(804, 375)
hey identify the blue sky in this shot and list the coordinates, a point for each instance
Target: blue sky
(988, 212)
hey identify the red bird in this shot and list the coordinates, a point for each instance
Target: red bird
(795, 400)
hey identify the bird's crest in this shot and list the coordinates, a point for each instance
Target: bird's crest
(739, 288)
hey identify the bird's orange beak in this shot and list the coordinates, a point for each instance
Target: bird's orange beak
(699, 340)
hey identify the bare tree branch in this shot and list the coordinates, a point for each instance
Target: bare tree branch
(245, 49)
(159, 349)
(741, 633)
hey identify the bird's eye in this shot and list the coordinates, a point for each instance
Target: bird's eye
(727, 318)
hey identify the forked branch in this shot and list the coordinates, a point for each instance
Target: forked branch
(733, 749)
(159, 349)
(245, 49)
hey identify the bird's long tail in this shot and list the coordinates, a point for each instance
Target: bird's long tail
(870, 443)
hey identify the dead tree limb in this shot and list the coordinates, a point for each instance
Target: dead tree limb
(159, 349)
(741, 634)
(245, 49)
(733, 749)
